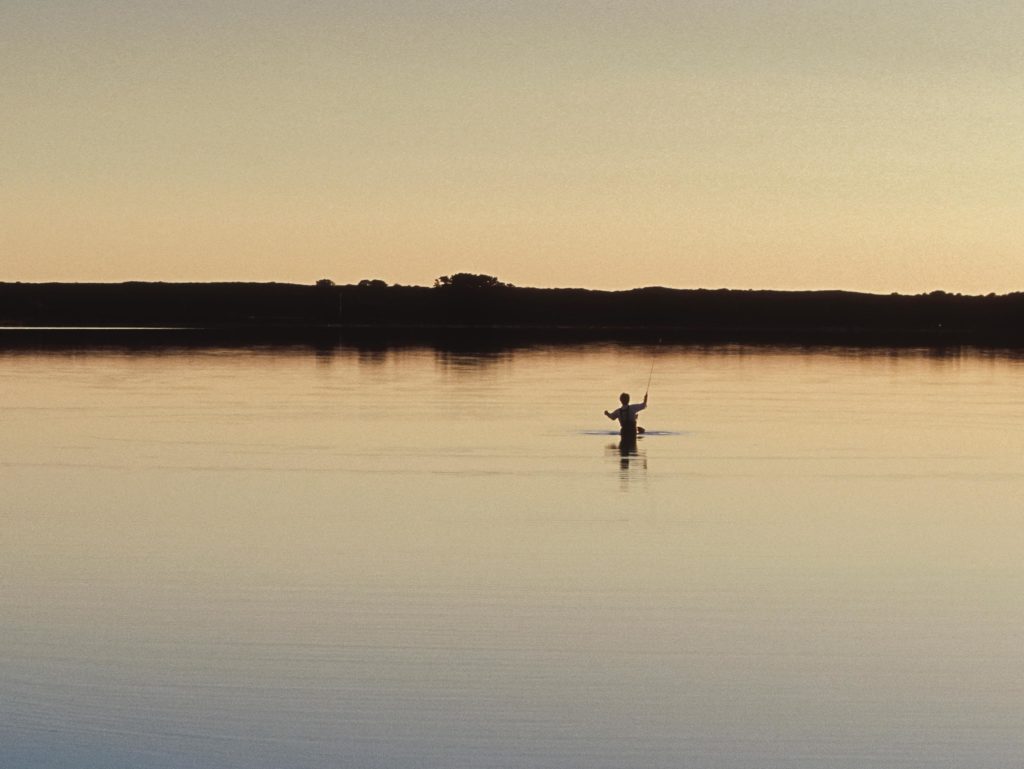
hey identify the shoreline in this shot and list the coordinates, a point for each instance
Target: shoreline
(376, 314)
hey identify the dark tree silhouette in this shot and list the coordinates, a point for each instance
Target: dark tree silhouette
(468, 280)
(483, 303)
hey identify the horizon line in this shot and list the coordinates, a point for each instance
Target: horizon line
(509, 285)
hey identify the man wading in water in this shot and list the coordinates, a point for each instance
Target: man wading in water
(626, 414)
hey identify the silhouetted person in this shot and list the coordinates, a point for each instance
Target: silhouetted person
(626, 414)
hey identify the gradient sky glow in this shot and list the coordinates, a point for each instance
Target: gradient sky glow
(875, 146)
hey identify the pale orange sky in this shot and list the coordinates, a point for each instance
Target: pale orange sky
(873, 146)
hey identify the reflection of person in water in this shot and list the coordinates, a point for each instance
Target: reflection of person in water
(631, 460)
(626, 414)
(627, 448)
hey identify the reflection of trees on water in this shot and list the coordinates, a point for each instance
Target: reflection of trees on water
(477, 362)
(369, 356)
(447, 358)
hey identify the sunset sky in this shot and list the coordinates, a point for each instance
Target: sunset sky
(874, 146)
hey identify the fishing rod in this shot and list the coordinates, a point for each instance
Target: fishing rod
(651, 374)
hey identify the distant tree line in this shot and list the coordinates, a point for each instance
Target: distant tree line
(467, 300)
(467, 281)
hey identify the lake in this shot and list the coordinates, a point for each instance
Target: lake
(413, 557)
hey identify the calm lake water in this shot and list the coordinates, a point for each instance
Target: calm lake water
(416, 558)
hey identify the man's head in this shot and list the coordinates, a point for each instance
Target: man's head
(624, 399)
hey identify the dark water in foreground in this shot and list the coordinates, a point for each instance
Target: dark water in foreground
(412, 558)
